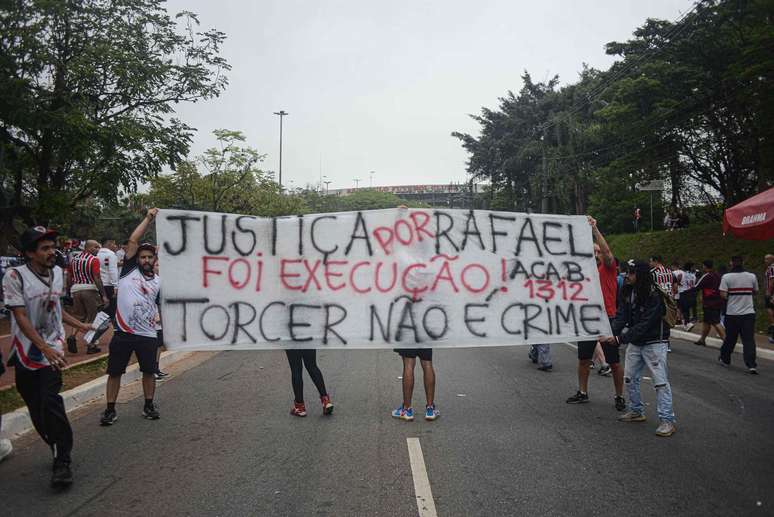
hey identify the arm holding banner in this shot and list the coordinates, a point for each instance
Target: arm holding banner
(134, 238)
(604, 248)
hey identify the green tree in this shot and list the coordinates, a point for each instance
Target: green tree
(229, 181)
(87, 96)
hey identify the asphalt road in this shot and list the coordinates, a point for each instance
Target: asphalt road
(506, 443)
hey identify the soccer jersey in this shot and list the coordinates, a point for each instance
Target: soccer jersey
(663, 277)
(136, 302)
(740, 286)
(83, 269)
(40, 296)
(108, 266)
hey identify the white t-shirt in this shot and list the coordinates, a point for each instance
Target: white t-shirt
(136, 302)
(40, 296)
(740, 286)
(688, 281)
(108, 266)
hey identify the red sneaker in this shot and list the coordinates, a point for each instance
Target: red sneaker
(327, 405)
(298, 409)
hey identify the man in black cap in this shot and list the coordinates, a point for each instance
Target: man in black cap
(135, 322)
(32, 293)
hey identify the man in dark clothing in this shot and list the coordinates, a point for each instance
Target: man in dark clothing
(711, 302)
(639, 323)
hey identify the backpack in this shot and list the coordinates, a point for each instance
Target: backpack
(671, 313)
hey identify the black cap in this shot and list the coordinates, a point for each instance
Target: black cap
(639, 267)
(146, 246)
(29, 239)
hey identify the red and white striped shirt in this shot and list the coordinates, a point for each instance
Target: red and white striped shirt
(83, 270)
(664, 278)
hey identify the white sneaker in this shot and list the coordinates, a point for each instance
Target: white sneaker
(5, 448)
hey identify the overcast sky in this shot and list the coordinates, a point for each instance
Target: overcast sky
(379, 86)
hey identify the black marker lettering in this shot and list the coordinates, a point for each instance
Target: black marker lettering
(219, 250)
(469, 320)
(240, 325)
(183, 232)
(329, 326)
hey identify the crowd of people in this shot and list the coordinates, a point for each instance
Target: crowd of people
(643, 301)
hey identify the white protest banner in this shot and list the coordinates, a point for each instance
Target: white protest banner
(397, 278)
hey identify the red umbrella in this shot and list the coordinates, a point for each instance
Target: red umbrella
(752, 219)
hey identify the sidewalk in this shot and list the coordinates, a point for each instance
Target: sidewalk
(765, 349)
(8, 377)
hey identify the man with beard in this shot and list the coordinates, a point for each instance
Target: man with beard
(138, 288)
(33, 294)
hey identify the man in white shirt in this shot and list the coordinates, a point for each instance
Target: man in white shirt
(108, 270)
(737, 287)
(32, 292)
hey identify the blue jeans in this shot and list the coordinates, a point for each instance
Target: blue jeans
(542, 353)
(655, 357)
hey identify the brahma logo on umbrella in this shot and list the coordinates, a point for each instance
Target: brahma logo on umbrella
(755, 218)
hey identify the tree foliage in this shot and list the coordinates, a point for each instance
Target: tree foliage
(689, 103)
(225, 178)
(87, 96)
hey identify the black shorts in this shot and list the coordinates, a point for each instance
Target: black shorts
(586, 352)
(120, 351)
(711, 316)
(767, 302)
(424, 354)
(160, 338)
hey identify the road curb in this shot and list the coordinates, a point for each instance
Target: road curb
(714, 342)
(17, 423)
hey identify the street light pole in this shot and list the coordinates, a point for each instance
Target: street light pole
(327, 187)
(371, 184)
(357, 182)
(281, 114)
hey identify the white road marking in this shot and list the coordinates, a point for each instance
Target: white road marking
(425, 502)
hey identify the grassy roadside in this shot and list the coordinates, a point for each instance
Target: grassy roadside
(71, 377)
(696, 244)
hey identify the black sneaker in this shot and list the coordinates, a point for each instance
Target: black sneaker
(545, 368)
(578, 398)
(151, 412)
(93, 349)
(160, 376)
(752, 371)
(72, 347)
(722, 363)
(108, 417)
(620, 403)
(62, 476)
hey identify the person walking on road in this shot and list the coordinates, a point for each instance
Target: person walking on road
(298, 359)
(32, 293)
(687, 295)
(640, 324)
(108, 269)
(541, 355)
(608, 278)
(87, 290)
(711, 302)
(409, 355)
(738, 287)
(768, 302)
(138, 289)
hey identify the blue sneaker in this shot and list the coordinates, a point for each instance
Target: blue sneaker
(431, 413)
(406, 414)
